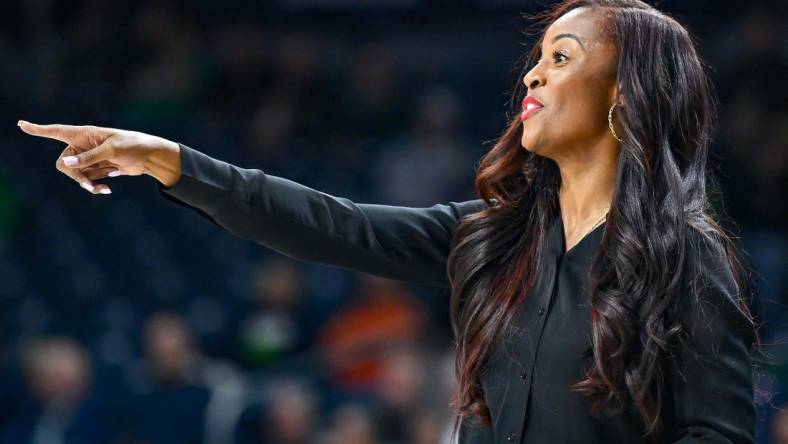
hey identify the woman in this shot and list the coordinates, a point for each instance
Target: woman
(593, 296)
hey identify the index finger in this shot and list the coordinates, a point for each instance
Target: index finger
(63, 133)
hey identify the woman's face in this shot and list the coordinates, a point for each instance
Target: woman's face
(575, 82)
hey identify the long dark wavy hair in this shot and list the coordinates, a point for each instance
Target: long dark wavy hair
(667, 118)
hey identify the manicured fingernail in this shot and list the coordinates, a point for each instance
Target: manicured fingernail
(70, 160)
(105, 191)
(19, 123)
(115, 173)
(87, 186)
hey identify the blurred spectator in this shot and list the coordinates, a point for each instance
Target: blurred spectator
(272, 327)
(165, 83)
(355, 341)
(169, 393)
(59, 410)
(754, 130)
(404, 397)
(350, 424)
(425, 427)
(431, 162)
(373, 102)
(287, 415)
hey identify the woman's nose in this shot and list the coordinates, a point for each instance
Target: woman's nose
(533, 79)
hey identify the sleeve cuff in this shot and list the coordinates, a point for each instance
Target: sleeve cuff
(203, 182)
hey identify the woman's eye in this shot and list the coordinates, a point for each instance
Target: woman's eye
(557, 57)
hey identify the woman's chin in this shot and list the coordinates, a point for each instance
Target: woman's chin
(527, 143)
(535, 147)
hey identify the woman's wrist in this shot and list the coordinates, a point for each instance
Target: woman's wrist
(164, 163)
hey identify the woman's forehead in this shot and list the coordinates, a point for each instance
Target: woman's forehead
(582, 22)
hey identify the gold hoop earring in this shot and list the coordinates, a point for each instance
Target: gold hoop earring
(610, 123)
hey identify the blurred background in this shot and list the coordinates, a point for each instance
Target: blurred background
(126, 319)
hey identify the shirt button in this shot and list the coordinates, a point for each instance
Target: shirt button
(523, 375)
(541, 311)
(511, 436)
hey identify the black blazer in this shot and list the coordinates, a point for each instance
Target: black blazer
(709, 392)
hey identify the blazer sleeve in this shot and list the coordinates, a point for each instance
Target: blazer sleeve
(403, 243)
(711, 374)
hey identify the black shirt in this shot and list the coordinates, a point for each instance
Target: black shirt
(526, 382)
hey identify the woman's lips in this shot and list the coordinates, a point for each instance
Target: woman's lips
(530, 106)
(528, 113)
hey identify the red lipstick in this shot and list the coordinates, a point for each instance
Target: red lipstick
(529, 107)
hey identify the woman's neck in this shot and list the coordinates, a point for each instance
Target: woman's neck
(587, 184)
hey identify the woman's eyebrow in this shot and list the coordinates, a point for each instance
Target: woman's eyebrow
(571, 36)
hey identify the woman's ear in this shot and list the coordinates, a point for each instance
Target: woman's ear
(618, 95)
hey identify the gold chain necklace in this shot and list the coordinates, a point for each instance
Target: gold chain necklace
(604, 216)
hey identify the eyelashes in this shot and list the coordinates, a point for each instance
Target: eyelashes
(557, 54)
(558, 57)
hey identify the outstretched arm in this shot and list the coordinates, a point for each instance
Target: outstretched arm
(410, 244)
(404, 243)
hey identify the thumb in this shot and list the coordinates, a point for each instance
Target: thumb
(102, 152)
